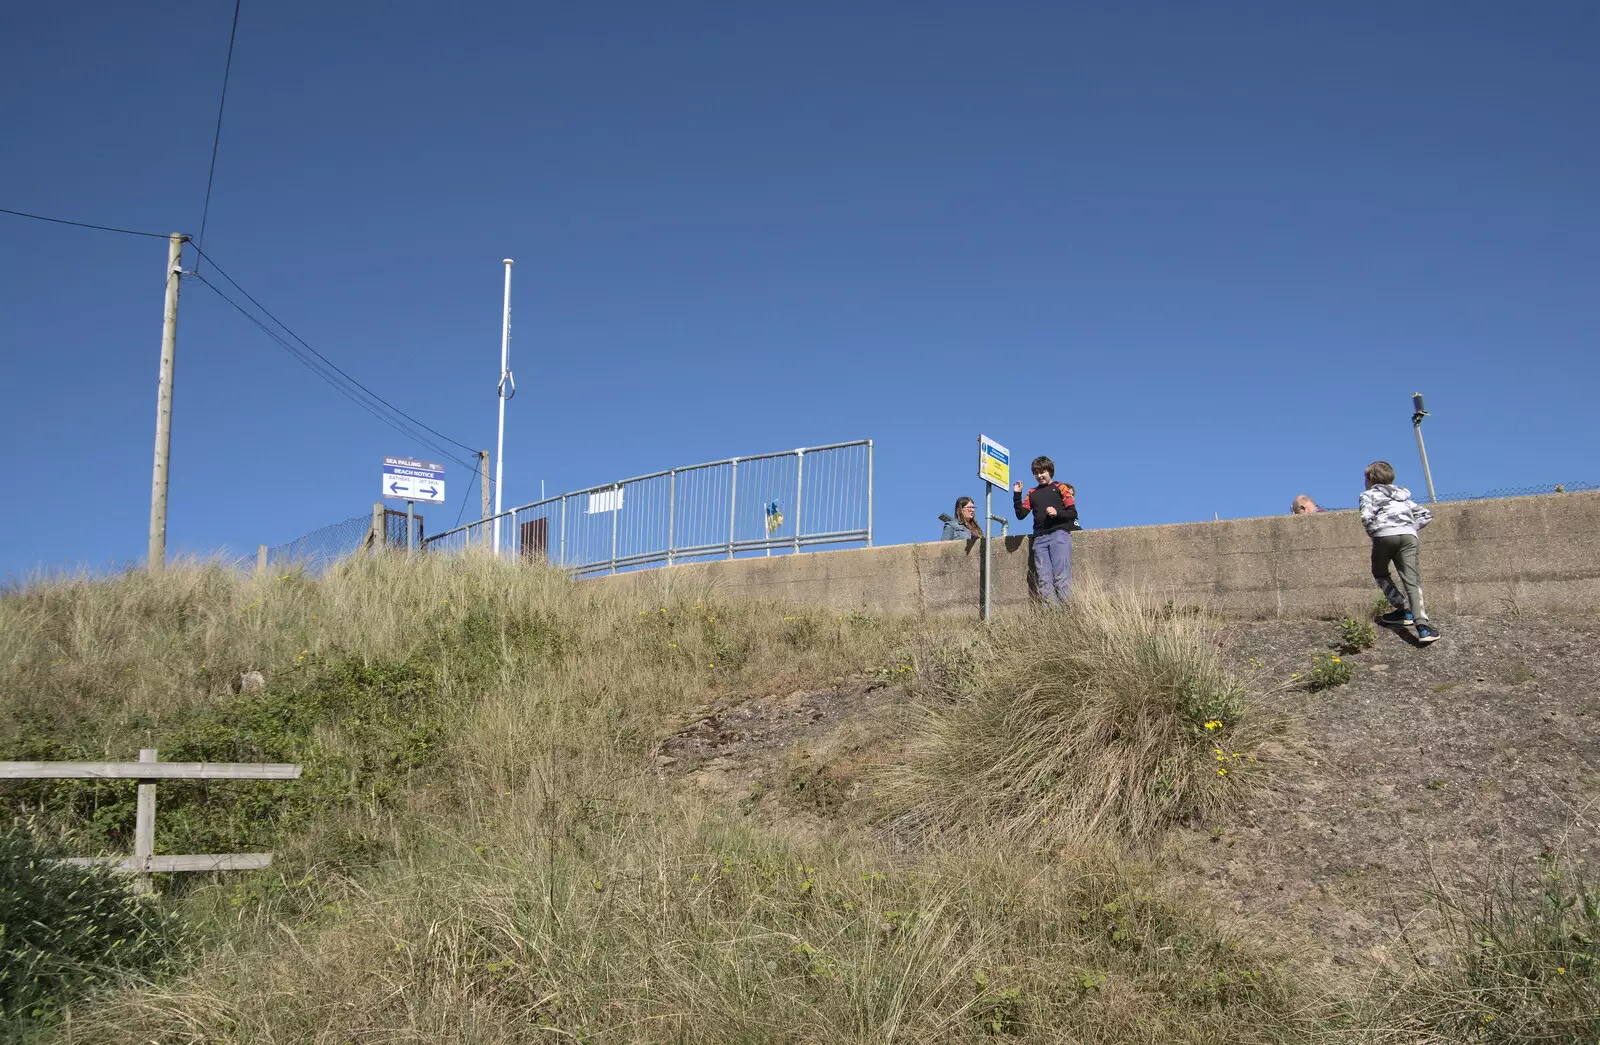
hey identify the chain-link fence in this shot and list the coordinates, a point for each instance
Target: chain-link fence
(1420, 495)
(761, 505)
(1520, 491)
(319, 549)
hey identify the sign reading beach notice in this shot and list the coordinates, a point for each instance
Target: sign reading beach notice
(994, 462)
(406, 479)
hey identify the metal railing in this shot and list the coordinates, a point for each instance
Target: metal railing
(762, 504)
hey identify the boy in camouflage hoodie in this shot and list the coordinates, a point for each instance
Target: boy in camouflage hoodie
(1392, 520)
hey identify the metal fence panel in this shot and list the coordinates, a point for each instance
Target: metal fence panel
(765, 504)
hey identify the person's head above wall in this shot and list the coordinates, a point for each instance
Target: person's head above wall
(1303, 505)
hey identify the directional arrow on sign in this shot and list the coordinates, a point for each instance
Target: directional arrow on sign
(394, 488)
(430, 491)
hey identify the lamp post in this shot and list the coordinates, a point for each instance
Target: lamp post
(1417, 414)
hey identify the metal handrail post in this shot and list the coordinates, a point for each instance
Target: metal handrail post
(799, 494)
(616, 517)
(733, 506)
(672, 511)
(563, 529)
(869, 493)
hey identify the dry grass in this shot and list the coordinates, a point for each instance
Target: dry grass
(1106, 716)
(536, 881)
(694, 929)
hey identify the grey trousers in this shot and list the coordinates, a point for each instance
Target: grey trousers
(1403, 550)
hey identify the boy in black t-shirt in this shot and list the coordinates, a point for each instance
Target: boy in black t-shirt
(1055, 516)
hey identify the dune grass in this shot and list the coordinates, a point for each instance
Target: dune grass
(1104, 717)
(481, 849)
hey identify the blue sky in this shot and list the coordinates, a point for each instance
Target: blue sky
(1201, 254)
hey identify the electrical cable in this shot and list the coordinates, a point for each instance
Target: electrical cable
(369, 392)
(312, 366)
(84, 224)
(216, 140)
(465, 500)
(374, 398)
(346, 392)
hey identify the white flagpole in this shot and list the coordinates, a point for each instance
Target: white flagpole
(504, 393)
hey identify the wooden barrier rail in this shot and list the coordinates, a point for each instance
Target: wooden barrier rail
(147, 771)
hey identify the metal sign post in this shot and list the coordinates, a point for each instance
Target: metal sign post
(994, 468)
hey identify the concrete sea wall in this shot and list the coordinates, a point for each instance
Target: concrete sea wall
(1533, 554)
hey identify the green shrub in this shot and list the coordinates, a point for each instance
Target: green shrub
(65, 929)
(1356, 634)
(1329, 670)
(361, 730)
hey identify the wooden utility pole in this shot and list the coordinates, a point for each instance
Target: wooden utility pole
(169, 351)
(483, 488)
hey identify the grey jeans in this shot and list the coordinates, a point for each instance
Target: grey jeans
(1403, 550)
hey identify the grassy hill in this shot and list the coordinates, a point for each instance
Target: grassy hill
(536, 810)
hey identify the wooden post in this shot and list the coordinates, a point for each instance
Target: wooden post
(483, 487)
(169, 351)
(378, 538)
(261, 560)
(144, 831)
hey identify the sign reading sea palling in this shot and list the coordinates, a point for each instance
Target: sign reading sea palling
(405, 479)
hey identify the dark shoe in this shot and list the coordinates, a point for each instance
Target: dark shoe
(1395, 618)
(1426, 633)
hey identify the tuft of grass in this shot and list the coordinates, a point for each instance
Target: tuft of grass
(1105, 716)
(1524, 965)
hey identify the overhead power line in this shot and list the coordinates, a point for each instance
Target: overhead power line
(307, 355)
(83, 224)
(466, 500)
(216, 139)
(372, 404)
(330, 363)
